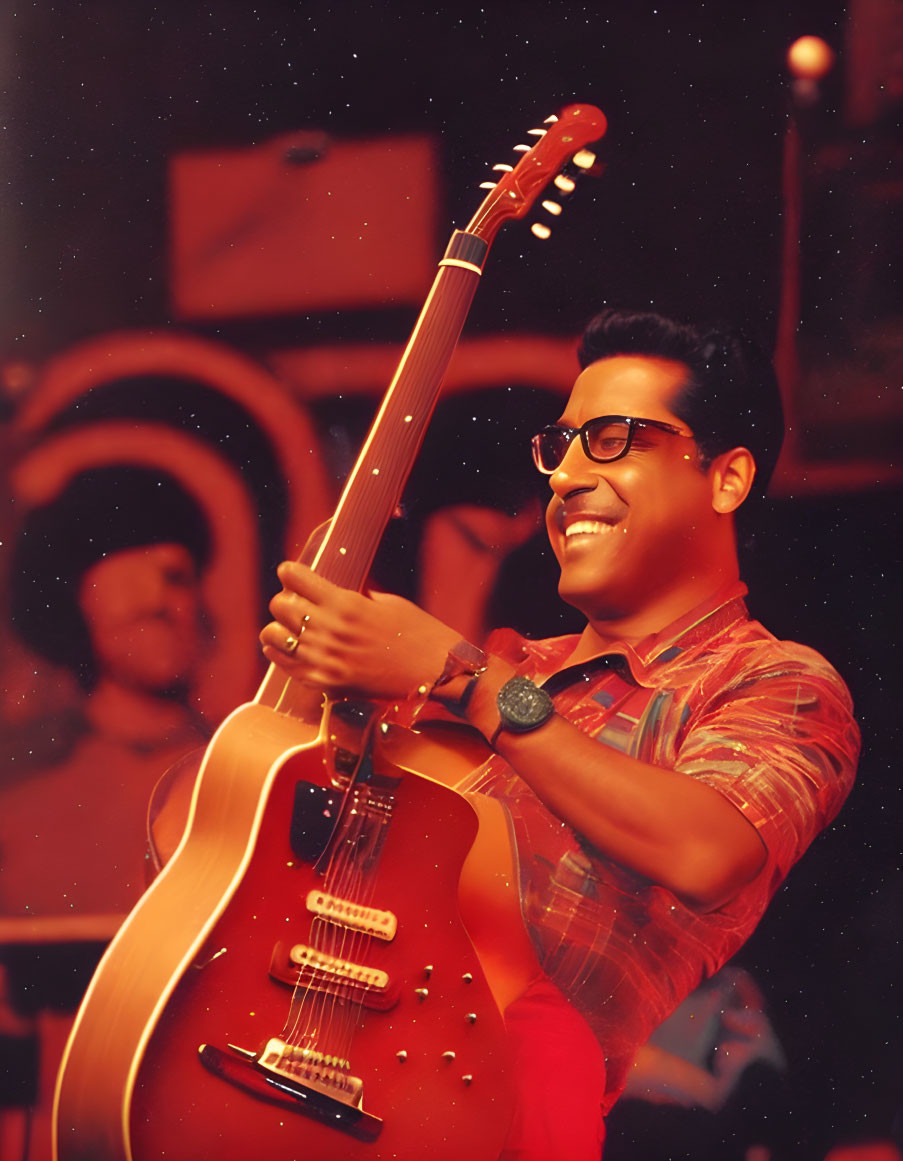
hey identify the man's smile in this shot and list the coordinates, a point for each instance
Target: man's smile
(587, 528)
(576, 523)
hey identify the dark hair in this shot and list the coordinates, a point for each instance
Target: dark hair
(731, 397)
(100, 511)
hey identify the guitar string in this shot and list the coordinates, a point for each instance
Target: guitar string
(319, 1004)
(347, 943)
(304, 990)
(341, 1005)
(302, 1005)
(326, 1010)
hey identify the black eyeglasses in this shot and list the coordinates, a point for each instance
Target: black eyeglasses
(604, 439)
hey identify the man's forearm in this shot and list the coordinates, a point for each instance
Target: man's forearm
(672, 829)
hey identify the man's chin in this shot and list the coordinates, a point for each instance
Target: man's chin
(582, 598)
(595, 602)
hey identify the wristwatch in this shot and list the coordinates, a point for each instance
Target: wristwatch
(522, 707)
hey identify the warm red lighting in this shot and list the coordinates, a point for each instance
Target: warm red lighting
(810, 58)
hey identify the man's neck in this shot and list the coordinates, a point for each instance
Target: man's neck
(603, 631)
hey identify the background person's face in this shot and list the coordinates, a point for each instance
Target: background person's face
(142, 608)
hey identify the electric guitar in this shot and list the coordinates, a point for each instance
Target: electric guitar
(302, 980)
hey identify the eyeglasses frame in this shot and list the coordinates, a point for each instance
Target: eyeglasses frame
(632, 421)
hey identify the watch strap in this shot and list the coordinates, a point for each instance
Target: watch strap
(462, 658)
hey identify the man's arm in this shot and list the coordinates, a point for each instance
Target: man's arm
(670, 828)
(666, 826)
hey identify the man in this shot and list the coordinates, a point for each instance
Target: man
(107, 585)
(647, 860)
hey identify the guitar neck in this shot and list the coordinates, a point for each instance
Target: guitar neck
(376, 482)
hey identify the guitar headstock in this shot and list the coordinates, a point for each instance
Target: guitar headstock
(563, 139)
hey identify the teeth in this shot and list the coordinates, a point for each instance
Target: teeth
(585, 526)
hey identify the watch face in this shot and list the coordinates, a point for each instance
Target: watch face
(522, 705)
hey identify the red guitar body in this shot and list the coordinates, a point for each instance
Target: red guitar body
(431, 1054)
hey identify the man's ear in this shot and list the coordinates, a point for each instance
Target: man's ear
(732, 475)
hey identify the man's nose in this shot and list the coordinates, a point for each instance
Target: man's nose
(576, 472)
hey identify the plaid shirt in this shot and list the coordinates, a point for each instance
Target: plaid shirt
(767, 723)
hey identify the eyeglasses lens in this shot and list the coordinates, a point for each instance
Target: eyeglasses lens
(550, 447)
(604, 441)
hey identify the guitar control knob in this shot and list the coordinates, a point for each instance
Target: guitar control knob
(468, 1078)
(449, 1056)
(402, 1055)
(421, 993)
(471, 1017)
(467, 978)
(428, 970)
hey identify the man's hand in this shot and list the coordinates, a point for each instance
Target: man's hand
(349, 644)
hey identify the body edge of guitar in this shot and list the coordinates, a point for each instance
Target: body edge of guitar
(103, 1109)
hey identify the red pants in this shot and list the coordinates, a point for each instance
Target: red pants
(560, 1080)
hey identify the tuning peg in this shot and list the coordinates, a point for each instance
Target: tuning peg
(550, 120)
(502, 168)
(488, 184)
(551, 208)
(584, 159)
(522, 148)
(537, 132)
(565, 184)
(540, 230)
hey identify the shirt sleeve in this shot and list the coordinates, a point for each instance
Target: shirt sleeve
(781, 744)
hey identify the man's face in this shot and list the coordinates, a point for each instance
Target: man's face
(629, 532)
(141, 606)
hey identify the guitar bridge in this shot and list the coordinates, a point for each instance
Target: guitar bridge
(298, 1079)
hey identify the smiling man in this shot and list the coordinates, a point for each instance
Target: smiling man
(663, 769)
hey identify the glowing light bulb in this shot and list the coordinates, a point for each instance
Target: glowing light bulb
(810, 58)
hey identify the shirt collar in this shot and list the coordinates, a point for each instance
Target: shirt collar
(646, 658)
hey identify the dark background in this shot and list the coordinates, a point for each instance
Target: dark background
(100, 94)
(686, 218)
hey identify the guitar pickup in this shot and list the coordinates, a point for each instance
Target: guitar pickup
(299, 964)
(334, 968)
(354, 916)
(299, 1079)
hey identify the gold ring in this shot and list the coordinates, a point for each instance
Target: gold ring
(291, 643)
